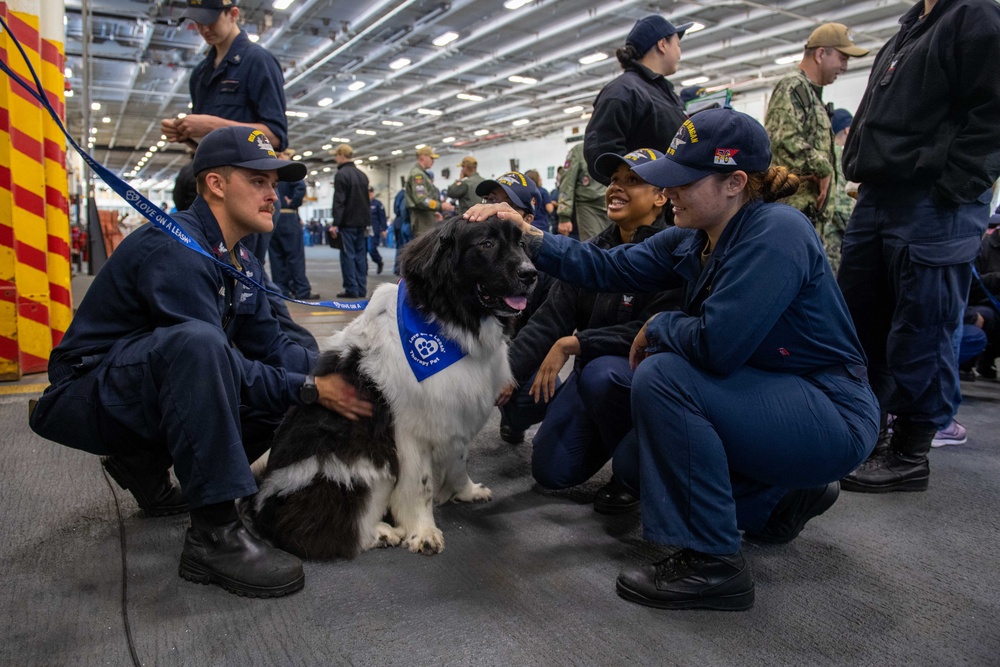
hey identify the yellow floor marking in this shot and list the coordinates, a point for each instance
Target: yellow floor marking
(22, 389)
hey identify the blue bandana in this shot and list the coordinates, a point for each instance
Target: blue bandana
(427, 349)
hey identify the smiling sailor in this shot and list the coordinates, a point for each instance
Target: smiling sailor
(171, 361)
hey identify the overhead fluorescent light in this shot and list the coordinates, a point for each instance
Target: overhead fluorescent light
(282, 4)
(313, 172)
(392, 123)
(106, 119)
(161, 143)
(788, 60)
(695, 81)
(297, 157)
(69, 93)
(593, 58)
(515, 4)
(576, 109)
(96, 106)
(397, 152)
(419, 146)
(68, 73)
(585, 116)
(253, 37)
(357, 85)
(522, 79)
(326, 147)
(469, 97)
(448, 140)
(367, 133)
(520, 121)
(340, 140)
(359, 160)
(325, 102)
(480, 133)
(695, 27)
(306, 153)
(372, 158)
(445, 39)
(327, 169)
(429, 112)
(296, 114)
(399, 63)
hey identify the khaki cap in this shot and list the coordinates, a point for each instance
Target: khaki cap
(427, 150)
(835, 35)
(469, 161)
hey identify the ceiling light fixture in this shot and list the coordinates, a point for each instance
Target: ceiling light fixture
(593, 58)
(480, 133)
(392, 123)
(357, 85)
(429, 112)
(253, 37)
(372, 158)
(397, 152)
(96, 106)
(520, 121)
(522, 79)
(306, 153)
(471, 98)
(297, 158)
(576, 109)
(448, 140)
(68, 73)
(282, 4)
(325, 102)
(326, 147)
(106, 119)
(445, 39)
(515, 4)
(787, 60)
(399, 63)
(695, 81)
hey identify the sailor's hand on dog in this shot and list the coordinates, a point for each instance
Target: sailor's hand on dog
(504, 211)
(640, 347)
(339, 395)
(504, 396)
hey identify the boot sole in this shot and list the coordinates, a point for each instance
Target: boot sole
(918, 484)
(737, 602)
(125, 481)
(199, 574)
(615, 510)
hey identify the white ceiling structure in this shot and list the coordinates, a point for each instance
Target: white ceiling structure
(374, 73)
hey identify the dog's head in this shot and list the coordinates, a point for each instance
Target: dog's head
(464, 271)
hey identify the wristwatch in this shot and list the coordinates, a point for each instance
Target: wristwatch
(308, 393)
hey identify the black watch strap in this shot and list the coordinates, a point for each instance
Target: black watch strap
(308, 393)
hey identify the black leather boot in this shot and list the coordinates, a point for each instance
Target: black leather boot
(884, 436)
(793, 511)
(219, 549)
(690, 579)
(613, 498)
(903, 468)
(152, 488)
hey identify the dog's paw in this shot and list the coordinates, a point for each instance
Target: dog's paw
(387, 536)
(474, 493)
(429, 541)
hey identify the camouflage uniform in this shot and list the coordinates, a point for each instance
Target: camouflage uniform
(464, 191)
(843, 204)
(422, 199)
(581, 197)
(802, 139)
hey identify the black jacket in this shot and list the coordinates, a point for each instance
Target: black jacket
(350, 197)
(639, 109)
(929, 115)
(604, 322)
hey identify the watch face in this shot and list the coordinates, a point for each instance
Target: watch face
(308, 394)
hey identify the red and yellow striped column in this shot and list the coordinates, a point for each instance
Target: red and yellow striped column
(52, 32)
(25, 336)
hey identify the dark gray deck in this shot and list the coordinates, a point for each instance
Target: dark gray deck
(903, 579)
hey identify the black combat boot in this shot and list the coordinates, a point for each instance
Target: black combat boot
(219, 549)
(903, 468)
(151, 486)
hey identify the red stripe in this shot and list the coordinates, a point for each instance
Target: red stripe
(8, 348)
(29, 146)
(55, 152)
(20, 91)
(26, 34)
(57, 337)
(30, 256)
(59, 294)
(32, 364)
(4, 178)
(32, 310)
(28, 201)
(58, 246)
(55, 199)
(6, 238)
(5, 285)
(4, 116)
(51, 54)
(59, 106)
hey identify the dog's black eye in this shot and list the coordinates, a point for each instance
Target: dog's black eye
(487, 244)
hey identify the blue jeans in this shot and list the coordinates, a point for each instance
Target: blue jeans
(710, 455)
(353, 260)
(905, 270)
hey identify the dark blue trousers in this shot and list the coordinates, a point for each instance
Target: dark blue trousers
(170, 396)
(710, 456)
(353, 260)
(905, 269)
(373, 249)
(582, 425)
(287, 253)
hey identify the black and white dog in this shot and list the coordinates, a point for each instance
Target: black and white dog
(331, 484)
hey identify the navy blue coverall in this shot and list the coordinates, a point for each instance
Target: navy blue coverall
(756, 387)
(287, 250)
(170, 356)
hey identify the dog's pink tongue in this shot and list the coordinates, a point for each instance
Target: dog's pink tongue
(516, 302)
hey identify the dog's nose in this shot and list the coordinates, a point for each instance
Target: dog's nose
(527, 273)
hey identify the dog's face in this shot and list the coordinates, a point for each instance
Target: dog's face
(465, 271)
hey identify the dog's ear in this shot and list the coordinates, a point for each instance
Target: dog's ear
(426, 256)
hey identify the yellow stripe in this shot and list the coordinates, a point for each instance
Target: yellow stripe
(16, 389)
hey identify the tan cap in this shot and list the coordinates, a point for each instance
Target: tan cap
(468, 161)
(427, 150)
(835, 35)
